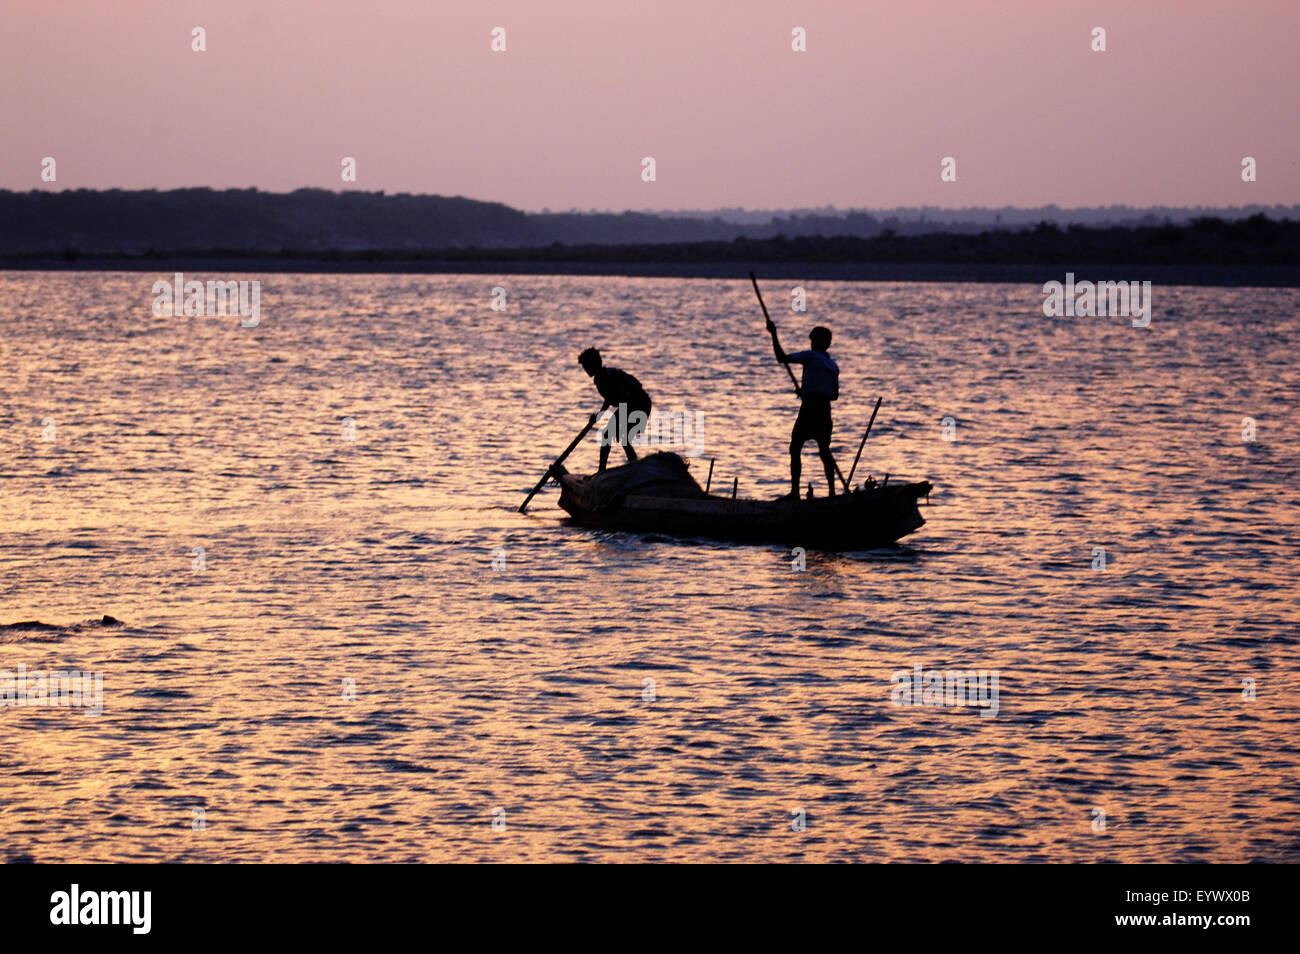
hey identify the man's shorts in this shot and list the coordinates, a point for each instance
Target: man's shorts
(619, 431)
(812, 424)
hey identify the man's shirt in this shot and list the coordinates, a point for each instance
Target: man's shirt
(821, 375)
(618, 387)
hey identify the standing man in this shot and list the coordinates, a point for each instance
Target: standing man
(624, 393)
(821, 385)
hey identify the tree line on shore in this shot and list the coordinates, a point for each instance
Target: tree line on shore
(365, 226)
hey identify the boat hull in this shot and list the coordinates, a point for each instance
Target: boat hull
(862, 520)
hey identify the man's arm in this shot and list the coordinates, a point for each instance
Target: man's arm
(776, 345)
(600, 389)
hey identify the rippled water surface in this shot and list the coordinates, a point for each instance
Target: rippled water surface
(520, 694)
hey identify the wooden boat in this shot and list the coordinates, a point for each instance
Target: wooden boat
(656, 494)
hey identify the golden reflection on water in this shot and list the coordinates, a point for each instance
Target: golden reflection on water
(347, 678)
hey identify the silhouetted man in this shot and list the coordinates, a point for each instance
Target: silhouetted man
(625, 395)
(821, 385)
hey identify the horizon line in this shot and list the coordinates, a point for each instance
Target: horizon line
(744, 210)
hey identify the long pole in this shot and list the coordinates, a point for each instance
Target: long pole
(768, 317)
(864, 439)
(844, 483)
(591, 422)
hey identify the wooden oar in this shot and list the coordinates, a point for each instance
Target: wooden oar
(798, 393)
(864, 439)
(591, 422)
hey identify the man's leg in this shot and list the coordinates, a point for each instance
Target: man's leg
(632, 430)
(638, 420)
(796, 465)
(828, 462)
(605, 439)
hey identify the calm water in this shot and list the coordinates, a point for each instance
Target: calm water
(524, 689)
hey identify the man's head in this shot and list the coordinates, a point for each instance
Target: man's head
(590, 361)
(820, 338)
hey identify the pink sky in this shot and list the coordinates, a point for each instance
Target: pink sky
(711, 90)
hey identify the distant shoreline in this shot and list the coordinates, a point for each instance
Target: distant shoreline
(1241, 276)
(226, 238)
